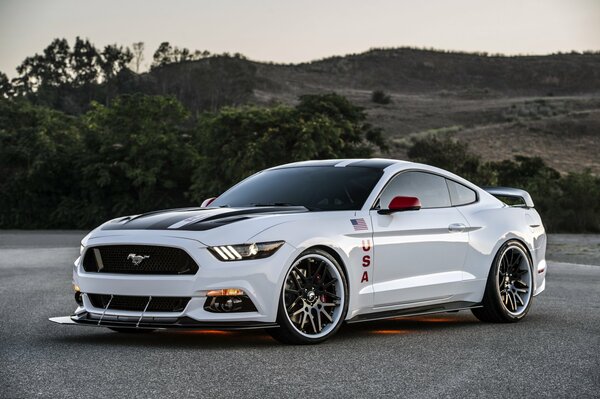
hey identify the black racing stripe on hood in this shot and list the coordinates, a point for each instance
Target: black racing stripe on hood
(141, 215)
(158, 220)
(162, 220)
(255, 210)
(223, 219)
(202, 226)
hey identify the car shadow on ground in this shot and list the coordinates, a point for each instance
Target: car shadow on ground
(215, 339)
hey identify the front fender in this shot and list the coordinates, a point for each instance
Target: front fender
(333, 233)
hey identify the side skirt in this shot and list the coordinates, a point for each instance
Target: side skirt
(420, 310)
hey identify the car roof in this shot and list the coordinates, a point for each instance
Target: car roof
(390, 166)
(375, 163)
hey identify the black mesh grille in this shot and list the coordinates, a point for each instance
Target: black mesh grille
(138, 303)
(138, 259)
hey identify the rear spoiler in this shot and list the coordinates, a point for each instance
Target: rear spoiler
(511, 196)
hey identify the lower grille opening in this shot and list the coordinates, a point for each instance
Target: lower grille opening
(138, 303)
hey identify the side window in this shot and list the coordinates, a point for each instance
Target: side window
(459, 194)
(430, 189)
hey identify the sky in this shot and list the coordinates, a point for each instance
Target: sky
(301, 30)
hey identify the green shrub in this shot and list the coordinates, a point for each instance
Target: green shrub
(451, 155)
(380, 97)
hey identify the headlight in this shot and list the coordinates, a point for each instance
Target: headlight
(245, 251)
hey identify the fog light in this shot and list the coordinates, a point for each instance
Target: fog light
(75, 288)
(229, 303)
(225, 292)
(79, 298)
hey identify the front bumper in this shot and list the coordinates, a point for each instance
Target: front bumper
(260, 279)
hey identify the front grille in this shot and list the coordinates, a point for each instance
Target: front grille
(138, 303)
(138, 259)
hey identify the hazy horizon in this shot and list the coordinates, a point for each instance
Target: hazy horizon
(294, 32)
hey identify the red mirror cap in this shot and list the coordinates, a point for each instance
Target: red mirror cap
(207, 202)
(404, 204)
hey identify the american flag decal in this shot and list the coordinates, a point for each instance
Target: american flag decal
(359, 224)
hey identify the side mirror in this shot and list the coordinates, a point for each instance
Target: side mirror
(207, 202)
(400, 204)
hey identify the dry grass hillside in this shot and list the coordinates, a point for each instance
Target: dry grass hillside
(547, 106)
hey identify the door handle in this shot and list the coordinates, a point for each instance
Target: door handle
(457, 228)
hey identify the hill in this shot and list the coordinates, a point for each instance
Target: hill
(503, 106)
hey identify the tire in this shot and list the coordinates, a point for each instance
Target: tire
(509, 289)
(131, 330)
(313, 301)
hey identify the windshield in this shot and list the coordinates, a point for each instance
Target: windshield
(318, 188)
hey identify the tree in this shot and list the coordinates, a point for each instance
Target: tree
(523, 171)
(68, 79)
(112, 60)
(48, 70)
(138, 55)
(167, 54)
(356, 133)
(236, 142)
(140, 157)
(451, 155)
(6, 89)
(84, 63)
(39, 149)
(578, 208)
(163, 55)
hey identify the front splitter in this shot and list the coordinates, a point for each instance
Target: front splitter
(87, 319)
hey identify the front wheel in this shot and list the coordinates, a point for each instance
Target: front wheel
(313, 301)
(509, 289)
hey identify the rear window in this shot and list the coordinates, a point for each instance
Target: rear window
(459, 194)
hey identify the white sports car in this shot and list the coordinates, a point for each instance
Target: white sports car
(301, 248)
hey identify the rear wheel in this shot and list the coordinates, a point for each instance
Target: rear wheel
(313, 303)
(509, 289)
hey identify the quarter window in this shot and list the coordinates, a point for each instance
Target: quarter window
(460, 195)
(430, 189)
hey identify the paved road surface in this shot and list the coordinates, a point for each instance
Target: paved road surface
(554, 352)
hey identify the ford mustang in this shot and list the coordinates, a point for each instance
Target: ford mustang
(302, 248)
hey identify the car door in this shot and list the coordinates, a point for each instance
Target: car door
(418, 255)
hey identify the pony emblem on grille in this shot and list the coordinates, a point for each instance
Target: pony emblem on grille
(137, 259)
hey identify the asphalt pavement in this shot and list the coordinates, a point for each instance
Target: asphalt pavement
(554, 352)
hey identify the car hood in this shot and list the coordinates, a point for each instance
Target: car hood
(195, 219)
(206, 225)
